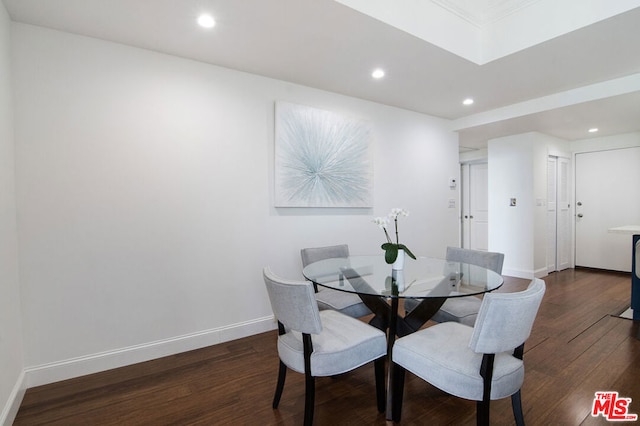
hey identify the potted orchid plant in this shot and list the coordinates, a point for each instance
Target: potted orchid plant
(391, 248)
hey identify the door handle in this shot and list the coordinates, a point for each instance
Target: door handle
(579, 214)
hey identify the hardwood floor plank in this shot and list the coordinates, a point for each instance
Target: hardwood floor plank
(592, 371)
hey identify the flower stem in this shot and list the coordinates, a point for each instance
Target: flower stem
(396, 223)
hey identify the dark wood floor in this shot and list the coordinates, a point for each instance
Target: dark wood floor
(577, 348)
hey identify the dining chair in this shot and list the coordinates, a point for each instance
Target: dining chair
(347, 303)
(320, 343)
(480, 363)
(463, 309)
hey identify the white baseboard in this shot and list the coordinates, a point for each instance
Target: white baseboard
(529, 275)
(76, 367)
(541, 273)
(518, 273)
(10, 410)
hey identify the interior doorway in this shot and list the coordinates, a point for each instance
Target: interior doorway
(475, 206)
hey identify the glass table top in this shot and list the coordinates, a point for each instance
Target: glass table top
(421, 278)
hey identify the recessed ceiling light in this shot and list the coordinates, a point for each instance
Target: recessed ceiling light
(467, 101)
(378, 73)
(206, 21)
(593, 130)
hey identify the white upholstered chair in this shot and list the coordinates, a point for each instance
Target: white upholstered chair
(320, 343)
(478, 363)
(463, 309)
(346, 303)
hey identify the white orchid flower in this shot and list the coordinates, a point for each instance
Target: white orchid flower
(382, 222)
(398, 212)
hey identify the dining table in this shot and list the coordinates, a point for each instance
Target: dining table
(382, 289)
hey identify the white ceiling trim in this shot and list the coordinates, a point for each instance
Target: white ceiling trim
(481, 13)
(484, 31)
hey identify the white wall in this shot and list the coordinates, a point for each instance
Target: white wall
(510, 228)
(11, 357)
(518, 169)
(144, 186)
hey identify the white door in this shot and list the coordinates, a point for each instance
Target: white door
(475, 206)
(558, 215)
(607, 196)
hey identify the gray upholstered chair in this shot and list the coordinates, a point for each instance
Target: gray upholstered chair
(463, 309)
(346, 303)
(320, 343)
(479, 363)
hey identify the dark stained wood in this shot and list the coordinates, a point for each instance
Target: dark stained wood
(576, 348)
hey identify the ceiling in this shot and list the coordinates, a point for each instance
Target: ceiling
(558, 83)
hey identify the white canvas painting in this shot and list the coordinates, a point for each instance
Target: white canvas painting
(322, 159)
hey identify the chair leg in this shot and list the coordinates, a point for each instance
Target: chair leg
(482, 407)
(282, 374)
(482, 413)
(397, 392)
(380, 385)
(309, 380)
(309, 399)
(516, 403)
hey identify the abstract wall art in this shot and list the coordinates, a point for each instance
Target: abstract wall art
(322, 159)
